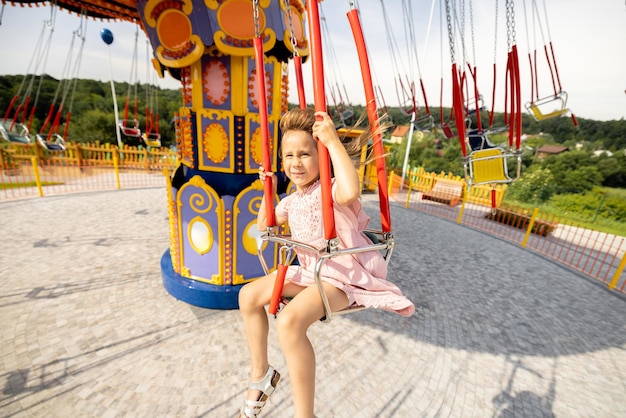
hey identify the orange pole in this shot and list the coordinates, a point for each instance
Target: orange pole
(518, 99)
(265, 136)
(317, 62)
(8, 112)
(372, 114)
(277, 292)
(457, 104)
(67, 124)
(297, 60)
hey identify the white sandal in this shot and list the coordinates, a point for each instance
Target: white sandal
(252, 409)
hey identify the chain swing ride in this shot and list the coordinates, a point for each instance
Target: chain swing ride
(384, 238)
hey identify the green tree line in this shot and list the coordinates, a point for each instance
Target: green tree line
(91, 104)
(582, 181)
(578, 172)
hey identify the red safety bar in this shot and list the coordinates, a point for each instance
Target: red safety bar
(372, 114)
(320, 105)
(265, 141)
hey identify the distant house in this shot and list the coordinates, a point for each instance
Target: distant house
(545, 150)
(601, 152)
(398, 134)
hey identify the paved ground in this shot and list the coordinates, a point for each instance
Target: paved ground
(87, 329)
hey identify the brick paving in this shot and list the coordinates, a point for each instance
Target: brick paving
(87, 330)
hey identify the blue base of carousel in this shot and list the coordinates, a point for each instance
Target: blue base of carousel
(195, 292)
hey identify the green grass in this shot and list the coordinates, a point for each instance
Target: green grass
(5, 186)
(600, 224)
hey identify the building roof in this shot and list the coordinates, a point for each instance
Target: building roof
(400, 131)
(552, 149)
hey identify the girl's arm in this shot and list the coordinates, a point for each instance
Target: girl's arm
(261, 220)
(348, 187)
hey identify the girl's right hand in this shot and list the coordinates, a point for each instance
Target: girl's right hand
(264, 175)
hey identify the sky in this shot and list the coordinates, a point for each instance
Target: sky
(589, 40)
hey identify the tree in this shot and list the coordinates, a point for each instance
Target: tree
(534, 186)
(92, 126)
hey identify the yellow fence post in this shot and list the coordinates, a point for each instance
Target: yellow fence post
(530, 227)
(35, 162)
(618, 272)
(465, 193)
(408, 190)
(116, 166)
(146, 159)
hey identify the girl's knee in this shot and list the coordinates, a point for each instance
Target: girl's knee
(247, 297)
(290, 325)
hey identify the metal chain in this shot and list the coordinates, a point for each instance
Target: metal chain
(450, 37)
(510, 23)
(471, 16)
(292, 32)
(495, 40)
(257, 21)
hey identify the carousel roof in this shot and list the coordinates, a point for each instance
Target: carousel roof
(98, 9)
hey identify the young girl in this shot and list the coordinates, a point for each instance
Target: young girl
(347, 279)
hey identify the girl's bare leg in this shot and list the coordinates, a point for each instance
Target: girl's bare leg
(292, 325)
(252, 299)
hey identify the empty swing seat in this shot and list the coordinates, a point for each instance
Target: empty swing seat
(130, 128)
(152, 139)
(539, 108)
(489, 166)
(478, 141)
(539, 116)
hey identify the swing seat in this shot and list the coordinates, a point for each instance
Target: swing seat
(538, 108)
(14, 132)
(56, 143)
(489, 166)
(447, 131)
(425, 123)
(130, 127)
(472, 105)
(152, 139)
(478, 141)
(381, 241)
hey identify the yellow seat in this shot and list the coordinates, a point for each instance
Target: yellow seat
(541, 116)
(488, 166)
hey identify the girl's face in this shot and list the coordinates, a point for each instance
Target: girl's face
(299, 152)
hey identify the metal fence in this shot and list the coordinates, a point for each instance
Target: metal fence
(596, 254)
(29, 171)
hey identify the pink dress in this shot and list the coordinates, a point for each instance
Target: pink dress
(361, 276)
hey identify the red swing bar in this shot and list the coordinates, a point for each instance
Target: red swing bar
(266, 158)
(457, 104)
(297, 61)
(266, 161)
(372, 114)
(320, 105)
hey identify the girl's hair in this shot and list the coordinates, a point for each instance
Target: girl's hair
(303, 119)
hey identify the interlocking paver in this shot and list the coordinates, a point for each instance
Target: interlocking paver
(87, 330)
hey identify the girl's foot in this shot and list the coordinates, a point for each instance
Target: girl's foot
(251, 408)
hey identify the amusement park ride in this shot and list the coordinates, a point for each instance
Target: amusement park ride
(232, 59)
